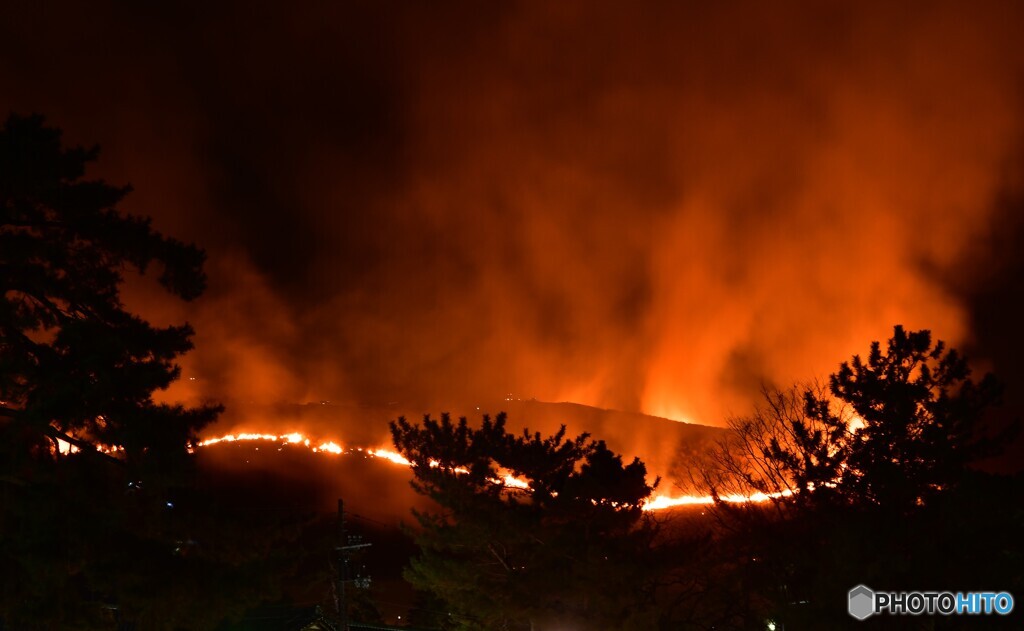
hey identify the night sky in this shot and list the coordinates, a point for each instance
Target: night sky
(656, 209)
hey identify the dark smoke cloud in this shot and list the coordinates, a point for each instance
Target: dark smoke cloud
(656, 208)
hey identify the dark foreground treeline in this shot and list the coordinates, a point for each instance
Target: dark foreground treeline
(869, 479)
(103, 524)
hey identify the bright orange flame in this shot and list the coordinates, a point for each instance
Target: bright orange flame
(330, 447)
(230, 438)
(856, 423)
(387, 454)
(514, 482)
(662, 502)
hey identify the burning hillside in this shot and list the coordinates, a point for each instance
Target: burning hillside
(324, 430)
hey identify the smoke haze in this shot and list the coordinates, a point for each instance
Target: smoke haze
(655, 210)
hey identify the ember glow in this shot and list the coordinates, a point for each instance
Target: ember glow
(332, 447)
(64, 448)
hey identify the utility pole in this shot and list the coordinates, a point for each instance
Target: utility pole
(341, 564)
(343, 553)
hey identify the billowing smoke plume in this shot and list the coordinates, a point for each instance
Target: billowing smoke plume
(654, 209)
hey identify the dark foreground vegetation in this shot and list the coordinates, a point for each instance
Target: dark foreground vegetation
(114, 534)
(871, 481)
(874, 476)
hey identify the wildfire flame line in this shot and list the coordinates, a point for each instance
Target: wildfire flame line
(657, 502)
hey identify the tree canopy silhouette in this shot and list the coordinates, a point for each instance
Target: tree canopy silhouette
(875, 481)
(83, 534)
(572, 547)
(892, 430)
(74, 364)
